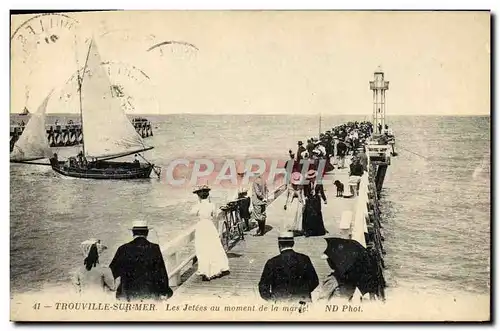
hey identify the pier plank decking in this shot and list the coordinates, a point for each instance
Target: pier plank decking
(248, 257)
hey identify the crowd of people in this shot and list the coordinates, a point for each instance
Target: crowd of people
(333, 146)
(139, 264)
(304, 197)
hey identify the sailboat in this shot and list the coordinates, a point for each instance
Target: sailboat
(33, 144)
(25, 112)
(107, 132)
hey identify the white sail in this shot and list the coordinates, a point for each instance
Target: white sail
(107, 132)
(33, 143)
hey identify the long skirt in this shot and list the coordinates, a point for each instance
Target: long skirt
(212, 259)
(259, 212)
(293, 219)
(354, 180)
(312, 218)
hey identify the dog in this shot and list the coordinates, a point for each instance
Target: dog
(340, 188)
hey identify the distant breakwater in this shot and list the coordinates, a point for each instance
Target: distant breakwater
(71, 134)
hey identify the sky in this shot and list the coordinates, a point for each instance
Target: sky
(262, 62)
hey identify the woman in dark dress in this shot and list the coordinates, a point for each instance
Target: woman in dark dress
(312, 218)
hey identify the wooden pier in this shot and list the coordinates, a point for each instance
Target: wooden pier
(357, 217)
(71, 134)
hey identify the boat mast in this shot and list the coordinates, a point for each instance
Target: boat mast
(80, 83)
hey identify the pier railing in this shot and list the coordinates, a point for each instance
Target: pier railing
(358, 225)
(179, 259)
(172, 255)
(366, 224)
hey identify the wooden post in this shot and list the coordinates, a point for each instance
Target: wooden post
(380, 176)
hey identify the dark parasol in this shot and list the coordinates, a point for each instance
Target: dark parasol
(353, 265)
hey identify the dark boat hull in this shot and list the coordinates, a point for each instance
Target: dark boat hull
(105, 170)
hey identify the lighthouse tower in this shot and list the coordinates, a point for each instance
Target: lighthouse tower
(379, 86)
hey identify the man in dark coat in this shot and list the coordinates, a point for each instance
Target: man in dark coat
(289, 276)
(141, 268)
(301, 149)
(244, 206)
(356, 171)
(341, 153)
(310, 146)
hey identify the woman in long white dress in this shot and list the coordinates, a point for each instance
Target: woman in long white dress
(212, 259)
(294, 205)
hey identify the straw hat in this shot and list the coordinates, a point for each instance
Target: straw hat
(296, 178)
(87, 244)
(201, 188)
(285, 236)
(140, 225)
(311, 174)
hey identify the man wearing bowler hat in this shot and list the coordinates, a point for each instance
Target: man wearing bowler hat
(140, 266)
(289, 276)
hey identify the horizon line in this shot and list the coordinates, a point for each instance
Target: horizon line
(276, 114)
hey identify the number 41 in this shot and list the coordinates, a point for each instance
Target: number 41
(36, 305)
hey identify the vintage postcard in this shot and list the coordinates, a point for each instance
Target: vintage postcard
(250, 166)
